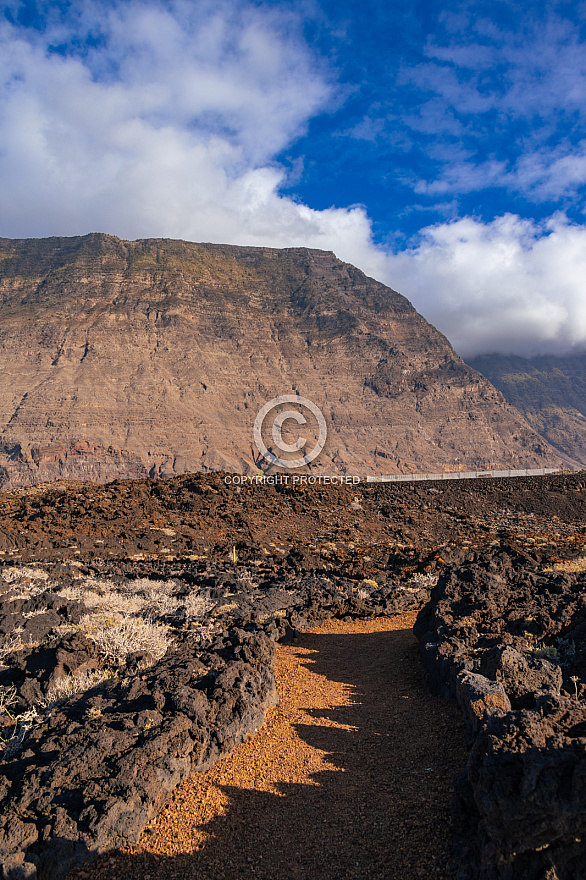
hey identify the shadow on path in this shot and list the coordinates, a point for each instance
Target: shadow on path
(381, 807)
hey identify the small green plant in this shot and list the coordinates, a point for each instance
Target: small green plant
(545, 652)
(567, 650)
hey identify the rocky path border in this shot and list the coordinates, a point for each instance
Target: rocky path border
(351, 776)
(101, 767)
(97, 767)
(508, 640)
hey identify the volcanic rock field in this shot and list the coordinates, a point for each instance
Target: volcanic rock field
(139, 622)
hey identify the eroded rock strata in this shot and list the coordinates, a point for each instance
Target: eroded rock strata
(152, 358)
(549, 391)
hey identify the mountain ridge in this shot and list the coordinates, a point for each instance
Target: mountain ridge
(153, 357)
(550, 392)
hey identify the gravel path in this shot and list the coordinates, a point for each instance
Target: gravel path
(350, 777)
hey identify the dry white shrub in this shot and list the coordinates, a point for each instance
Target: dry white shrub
(118, 602)
(12, 745)
(10, 644)
(161, 603)
(70, 685)
(15, 573)
(197, 606)
(98, 593)
(72, 592)
(7, 699)
(117, 636)
(154, 597)
(424, 580)
(79, 590)
(571, 566)
(150, 589)
(15, 577)
(161, 607)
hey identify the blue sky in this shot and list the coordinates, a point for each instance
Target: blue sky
(440, 147)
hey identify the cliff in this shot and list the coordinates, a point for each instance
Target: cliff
(153, 357)
(549, 391)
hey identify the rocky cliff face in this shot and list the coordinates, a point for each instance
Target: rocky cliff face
(550, 392)
(127, 359)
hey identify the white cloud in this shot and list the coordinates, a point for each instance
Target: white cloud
(515, 93)
(508, 286)
(162, 129)
(168, 127)
(551, 174)
(463, 177)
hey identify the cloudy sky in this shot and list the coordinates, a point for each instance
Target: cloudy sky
(439, 146)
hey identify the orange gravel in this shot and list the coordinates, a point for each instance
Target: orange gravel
(350, 777)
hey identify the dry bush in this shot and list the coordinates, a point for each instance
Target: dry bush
(14, 576)
(150, 589)
(205, 632)
(163, 606)
(570, 566)
(10, 644)
(14, 573)
(71, 685)
(99, 593)
(7, 699)
(150, 597)
(427, 580)
(161, 603)
(197, 606)
(155, 597)
(223, 609)
(116, 636)
(12, 743)
(82, 588)
(115, 602)
(73, 593)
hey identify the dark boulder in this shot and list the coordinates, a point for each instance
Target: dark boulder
(507, 640)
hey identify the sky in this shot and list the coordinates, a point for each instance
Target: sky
(439, 147)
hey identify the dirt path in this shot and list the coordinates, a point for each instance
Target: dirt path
(351, 776)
